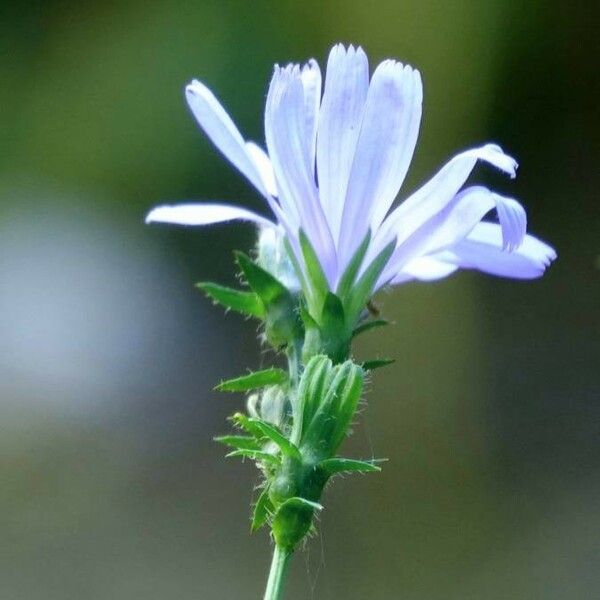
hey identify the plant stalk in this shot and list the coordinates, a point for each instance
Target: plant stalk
(277, 574)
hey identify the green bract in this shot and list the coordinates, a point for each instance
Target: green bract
(299, 418)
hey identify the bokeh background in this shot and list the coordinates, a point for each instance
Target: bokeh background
(110, 485)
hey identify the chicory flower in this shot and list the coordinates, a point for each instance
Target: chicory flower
(336, 161)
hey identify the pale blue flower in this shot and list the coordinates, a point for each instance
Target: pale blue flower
(336, 162)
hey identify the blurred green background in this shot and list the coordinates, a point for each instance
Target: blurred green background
(110, 485)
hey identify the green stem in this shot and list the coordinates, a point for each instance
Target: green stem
(279, 565)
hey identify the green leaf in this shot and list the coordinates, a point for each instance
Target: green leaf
(254, 380)
(257, 455)
(242, 442)
(247, 303)
(368, 325)
(371, 365)
(268, 288)
(316, 278)
(347, 465)
(276, 436)
(349, 275)
(363, 290)
(262, 509)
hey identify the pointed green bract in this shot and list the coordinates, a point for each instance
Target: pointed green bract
(244, 422)
(256, 455)
(335, 341)
(246, 303)
(371, 365)
(267, 287)
(262, 510)
(241, 442)
(368, 325)
(349, 275)
(334, 412)
(311, 390)
(316, 279)
(256, 379)
(276, 436)
(347, 465)
(363, 289)
(292, 521)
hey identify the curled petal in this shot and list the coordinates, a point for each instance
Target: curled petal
(346, 86)
(203, 214)
(456, 220)
(483, 250)
(433, 197)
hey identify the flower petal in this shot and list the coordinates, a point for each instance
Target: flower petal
(385, 147)
(311, 82)
(483, 250)
(285, 129)
(430, 199)
(454, 222)
(425, 268)
(346, 86)
(263, 165)
(203, 214)
(220, 129)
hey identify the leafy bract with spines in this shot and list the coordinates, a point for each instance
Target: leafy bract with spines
(246, 303)
(333, 466)
(281, 319)
(256, 455)
(241, 442)
(265, 285)
(285, 445)
(262, 510)
(254, 380)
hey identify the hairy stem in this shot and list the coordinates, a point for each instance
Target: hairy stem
(279, 565)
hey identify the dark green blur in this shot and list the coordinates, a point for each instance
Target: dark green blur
(110, 485)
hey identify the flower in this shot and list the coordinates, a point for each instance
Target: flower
(335, 164)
